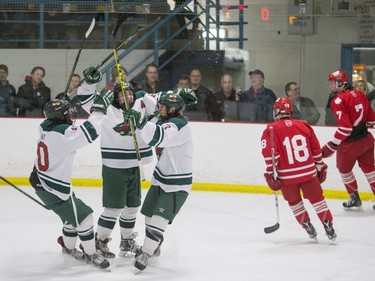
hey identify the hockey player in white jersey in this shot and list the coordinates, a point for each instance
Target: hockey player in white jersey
(172, 178)
(148, 103)
(51, 177)
(121, 196)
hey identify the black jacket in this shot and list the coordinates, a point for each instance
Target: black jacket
(30, 101)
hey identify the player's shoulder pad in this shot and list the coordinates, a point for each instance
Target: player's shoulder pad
(179, 121)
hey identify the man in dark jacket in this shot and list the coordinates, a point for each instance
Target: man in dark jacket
(303, 108)
(33, 95)
(260, 97)
(7, 93)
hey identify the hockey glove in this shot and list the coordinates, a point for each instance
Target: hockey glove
(275, 185)
(135, 118)
(322, 172)
(102, 101)
(188, 96)
(92, 75)
(123, 129)
(329, 149)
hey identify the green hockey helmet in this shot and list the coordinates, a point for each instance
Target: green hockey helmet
(118, 101)
(170, 100)
(58, 110)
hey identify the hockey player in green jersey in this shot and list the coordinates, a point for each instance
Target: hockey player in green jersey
(121, 196)
(51, 177)
(172, 178)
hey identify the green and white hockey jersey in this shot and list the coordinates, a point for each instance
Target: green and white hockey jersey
(57, 147)
(174, 169)
(117, 151)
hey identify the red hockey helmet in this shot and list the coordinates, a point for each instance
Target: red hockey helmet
(338, 75)
(282, 107)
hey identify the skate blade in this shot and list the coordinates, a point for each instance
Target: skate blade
(136, 271)
(354, 209)
(314, 240)
(108, 269)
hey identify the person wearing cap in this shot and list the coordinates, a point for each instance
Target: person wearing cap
(7, 93)
(261, 98)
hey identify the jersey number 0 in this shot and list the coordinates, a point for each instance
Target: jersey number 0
(42, 156)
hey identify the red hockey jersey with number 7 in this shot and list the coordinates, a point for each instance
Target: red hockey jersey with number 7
(351, 108)
(296, 150)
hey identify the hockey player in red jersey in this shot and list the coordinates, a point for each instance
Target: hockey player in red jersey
(291, 150)
(352, 140)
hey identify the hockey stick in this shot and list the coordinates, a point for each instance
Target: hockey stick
(122, 83)
(276, 226)
(23, 192)
(91, 27)
(123, 44)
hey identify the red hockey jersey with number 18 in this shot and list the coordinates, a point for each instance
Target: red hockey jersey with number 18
(296, 150)
(351, 109)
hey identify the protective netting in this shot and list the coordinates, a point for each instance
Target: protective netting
(65, 6)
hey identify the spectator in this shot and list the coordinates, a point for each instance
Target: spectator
(184, 82)
(151, 84)
(7, 93)
(227, 93)
(261, 97)
(362, 85)
(200, 110)
(352, 140)
(303, 108)
(300, 171)
(115, 77)
(33, 95)
(71, 97)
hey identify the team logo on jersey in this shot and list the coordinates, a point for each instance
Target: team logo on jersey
(288, 123)
(167, 126)
(338, 101)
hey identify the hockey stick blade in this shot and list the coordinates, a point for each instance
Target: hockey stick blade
(123, 44)
(91, 27)
(272, 228)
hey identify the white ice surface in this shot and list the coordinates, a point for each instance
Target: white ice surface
(216, 236)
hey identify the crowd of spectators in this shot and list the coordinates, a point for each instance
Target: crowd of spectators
(30, 98)
(226, 104)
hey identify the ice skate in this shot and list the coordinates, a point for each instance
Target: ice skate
(102, 246)
(354, 203)
(129, 247)
(141, 260)
(98, 261)
(330, 232)
(310, 229)
(76, 254)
